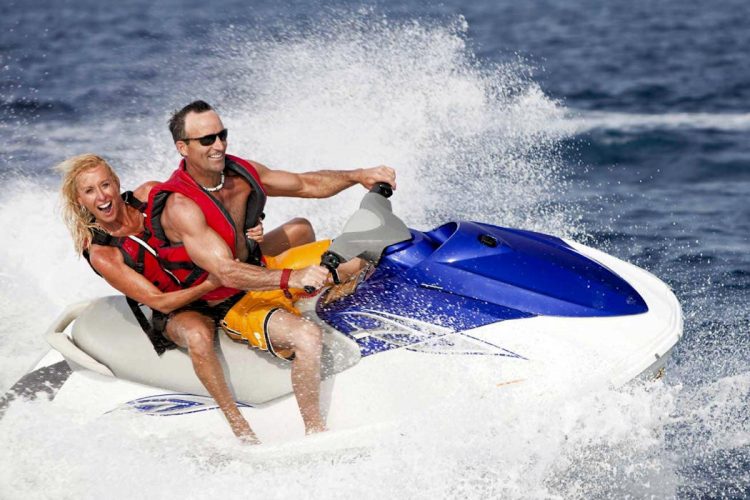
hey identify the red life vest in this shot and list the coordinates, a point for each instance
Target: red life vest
(174, 256)
(136, 252)
(143, 259)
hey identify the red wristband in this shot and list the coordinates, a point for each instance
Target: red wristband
(284, 284)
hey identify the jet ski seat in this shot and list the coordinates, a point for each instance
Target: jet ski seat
(107, 331)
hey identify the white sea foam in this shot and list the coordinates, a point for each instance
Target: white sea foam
(408, 95)
(576, 122)
(521, 442)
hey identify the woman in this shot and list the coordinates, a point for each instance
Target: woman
(107, 228)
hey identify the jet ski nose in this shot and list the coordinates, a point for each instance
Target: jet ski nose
(523, 270)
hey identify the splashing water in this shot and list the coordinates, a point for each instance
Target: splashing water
(407, 95)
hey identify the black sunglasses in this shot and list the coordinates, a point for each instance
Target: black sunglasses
(209, 139)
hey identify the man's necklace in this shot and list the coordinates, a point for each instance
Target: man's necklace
(216, 187)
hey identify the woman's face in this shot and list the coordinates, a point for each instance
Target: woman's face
(99, 193)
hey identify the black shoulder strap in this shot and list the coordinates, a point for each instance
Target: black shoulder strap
(253, 211)
(152, 329)
(129, 198)
(256, 201)
(138, 313)
(105, 239)
(88, 259)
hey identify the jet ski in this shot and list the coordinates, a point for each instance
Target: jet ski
(467, 307)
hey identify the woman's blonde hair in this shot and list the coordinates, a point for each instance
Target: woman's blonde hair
(78, 219)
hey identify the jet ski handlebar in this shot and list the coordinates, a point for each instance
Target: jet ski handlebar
(369, 231)
(383, 189)
(330, 259)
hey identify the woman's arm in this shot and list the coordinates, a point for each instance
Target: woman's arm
(109, 263)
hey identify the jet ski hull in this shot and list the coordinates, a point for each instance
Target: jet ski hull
(382, 366)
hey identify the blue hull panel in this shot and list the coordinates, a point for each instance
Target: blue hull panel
(464, 275)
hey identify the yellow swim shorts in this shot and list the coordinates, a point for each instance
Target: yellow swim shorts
(247, 320)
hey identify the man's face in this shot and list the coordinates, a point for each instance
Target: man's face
(99, 193)
(207, 158)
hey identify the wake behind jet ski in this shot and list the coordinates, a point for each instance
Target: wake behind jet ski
(464, 306)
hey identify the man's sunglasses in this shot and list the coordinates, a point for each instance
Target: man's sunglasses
(209, 139)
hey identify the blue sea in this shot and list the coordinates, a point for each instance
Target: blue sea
(623, 125)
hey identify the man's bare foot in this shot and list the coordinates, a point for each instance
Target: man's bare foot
(315, 429)
(350, 282)
(249, 438)
(350, 268)
(242, 430)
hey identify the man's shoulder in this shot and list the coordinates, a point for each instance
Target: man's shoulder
(142, 191)
(246, 162)
(180, 201)
(181, 212)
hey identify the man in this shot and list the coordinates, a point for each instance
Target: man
(200, 217)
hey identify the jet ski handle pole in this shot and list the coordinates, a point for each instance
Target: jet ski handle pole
(332, 261)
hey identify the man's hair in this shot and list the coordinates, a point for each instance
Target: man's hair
(177, 122)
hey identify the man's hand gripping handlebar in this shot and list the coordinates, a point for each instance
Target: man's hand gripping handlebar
(309, 278)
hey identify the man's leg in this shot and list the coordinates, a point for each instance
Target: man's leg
(289, 331)
(293, 233)
(195, 332)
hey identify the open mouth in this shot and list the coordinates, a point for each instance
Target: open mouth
(106, 207)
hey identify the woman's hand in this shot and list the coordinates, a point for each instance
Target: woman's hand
(213, 280)
(256, 233)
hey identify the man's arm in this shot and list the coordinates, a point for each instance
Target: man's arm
(186, 223)
(323, 183)
(109, 263)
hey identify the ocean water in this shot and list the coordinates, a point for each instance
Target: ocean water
(622, 125)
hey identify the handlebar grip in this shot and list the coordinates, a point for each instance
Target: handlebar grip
(383, 189)
(330, 260)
